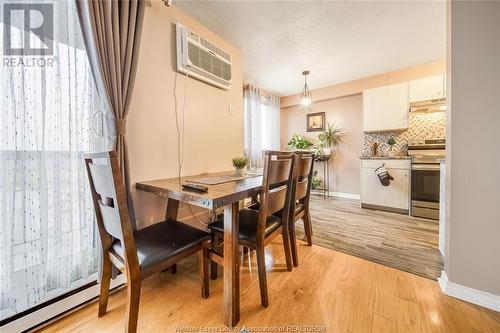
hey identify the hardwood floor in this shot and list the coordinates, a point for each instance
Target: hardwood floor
(399, 241)
(332, 290)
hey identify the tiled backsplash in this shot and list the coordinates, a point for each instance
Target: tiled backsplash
(421, 126)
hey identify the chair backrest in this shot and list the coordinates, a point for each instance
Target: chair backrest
(276, 190)
(304, 164)
(110, 202)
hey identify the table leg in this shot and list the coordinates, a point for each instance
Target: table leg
(231, 265)
(325, 185)
(328, 178)
(171, 214)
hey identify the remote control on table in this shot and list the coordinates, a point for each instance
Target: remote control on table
(194, 187)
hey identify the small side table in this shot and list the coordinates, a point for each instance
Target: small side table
(325, 159)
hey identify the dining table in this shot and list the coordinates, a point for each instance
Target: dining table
(225, 190)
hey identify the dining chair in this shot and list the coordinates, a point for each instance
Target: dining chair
(301, 193)
(257, 228)
(140, 253)
(299, 208)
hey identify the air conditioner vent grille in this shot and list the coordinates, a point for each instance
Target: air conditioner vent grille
(194, 54)
(215, 49)
(201, 58)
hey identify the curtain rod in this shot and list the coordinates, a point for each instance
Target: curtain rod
(262, 91)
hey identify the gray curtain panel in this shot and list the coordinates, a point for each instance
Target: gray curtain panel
(112, 32)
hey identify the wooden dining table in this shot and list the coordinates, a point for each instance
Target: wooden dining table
(226, 195)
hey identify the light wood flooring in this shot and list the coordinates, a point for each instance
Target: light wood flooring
(335, 291)
(399, 241)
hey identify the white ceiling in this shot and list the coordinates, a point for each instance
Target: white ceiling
(336, 41)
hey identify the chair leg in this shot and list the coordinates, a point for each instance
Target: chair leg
(133, 298)
(308, 227)
(203, 263)
(105, 281)
(214, 243)
(261, 267)
(286, 247)
(293, 243)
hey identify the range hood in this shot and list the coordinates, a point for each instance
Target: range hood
(432, 105)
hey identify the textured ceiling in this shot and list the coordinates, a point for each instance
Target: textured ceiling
(336, 41)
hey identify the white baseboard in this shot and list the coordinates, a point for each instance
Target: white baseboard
(471, 295)
(345, 195)
(340, 195)
(37, 317)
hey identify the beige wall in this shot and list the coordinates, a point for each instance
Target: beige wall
(342, 104)
(346, 113)
(472, 255)
(212, 136)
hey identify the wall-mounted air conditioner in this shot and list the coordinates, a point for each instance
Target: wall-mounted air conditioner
(202, 59)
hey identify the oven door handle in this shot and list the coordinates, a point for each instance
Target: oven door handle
(425, 167)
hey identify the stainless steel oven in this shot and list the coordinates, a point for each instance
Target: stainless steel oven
(425, 174)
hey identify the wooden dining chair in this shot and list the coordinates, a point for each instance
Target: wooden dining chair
(141, 253)
(301, 193)
(299, 208)
(259, 227)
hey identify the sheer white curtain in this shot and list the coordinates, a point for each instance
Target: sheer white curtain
(272, 122)
(261, 124)
(47, 235)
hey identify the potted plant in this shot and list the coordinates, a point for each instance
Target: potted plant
(239, 163)
(315, 182)
(319, 148)
(299, 142)
(391, 142)
(331, 137)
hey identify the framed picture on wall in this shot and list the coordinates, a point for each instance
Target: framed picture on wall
(315, 121)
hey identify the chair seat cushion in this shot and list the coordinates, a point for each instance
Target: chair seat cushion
(163, 240)
(248, 219)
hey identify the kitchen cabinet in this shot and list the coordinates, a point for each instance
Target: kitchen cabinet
(396, 196)
(427, 89)
(386, 108)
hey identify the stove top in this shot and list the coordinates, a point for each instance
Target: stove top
(429, 144)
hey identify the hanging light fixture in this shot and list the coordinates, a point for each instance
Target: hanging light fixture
(306, 101)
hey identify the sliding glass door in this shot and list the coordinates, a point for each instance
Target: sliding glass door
(50, 114)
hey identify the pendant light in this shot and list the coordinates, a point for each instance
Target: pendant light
(306, 101)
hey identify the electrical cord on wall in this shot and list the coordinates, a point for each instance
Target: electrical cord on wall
(180, 145)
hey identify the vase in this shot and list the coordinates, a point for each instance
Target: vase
(327, 151)
(238, 172)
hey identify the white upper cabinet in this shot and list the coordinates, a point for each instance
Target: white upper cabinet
(426, 89)
(386, 108)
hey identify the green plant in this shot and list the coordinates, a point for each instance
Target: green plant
(331, 136)
(391, 142)
(299, 142)
(240, 162)
(315, 182)
(318, 148)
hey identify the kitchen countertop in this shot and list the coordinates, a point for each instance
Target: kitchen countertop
(403, 157)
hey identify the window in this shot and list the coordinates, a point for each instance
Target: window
(266, 144)
(261, 125)
(48, 105)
